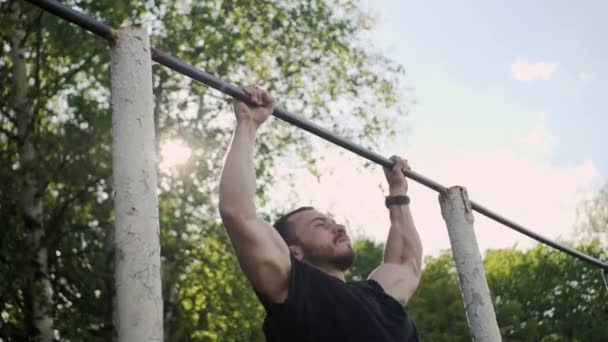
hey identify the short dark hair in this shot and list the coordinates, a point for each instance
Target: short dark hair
(282, 225)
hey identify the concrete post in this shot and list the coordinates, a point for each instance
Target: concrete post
(138, 310)
(458, 215)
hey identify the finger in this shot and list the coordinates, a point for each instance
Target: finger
(253, 91)
(406, 166)
(249, 90)
(268, 99)
(398, 166)
(401, 165)
(257, 97)
(394, 163)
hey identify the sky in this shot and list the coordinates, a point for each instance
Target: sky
(509, 105)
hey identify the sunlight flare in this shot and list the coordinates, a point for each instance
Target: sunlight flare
(173, 154)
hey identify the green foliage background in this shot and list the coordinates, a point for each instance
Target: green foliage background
(311, 55)
(308, 54)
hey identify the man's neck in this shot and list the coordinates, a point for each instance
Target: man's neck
(330, 270)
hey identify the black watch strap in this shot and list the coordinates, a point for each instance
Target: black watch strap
(397, 200)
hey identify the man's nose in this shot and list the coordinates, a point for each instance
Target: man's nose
(339, 228)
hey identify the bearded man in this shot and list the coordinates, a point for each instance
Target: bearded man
(297, 267)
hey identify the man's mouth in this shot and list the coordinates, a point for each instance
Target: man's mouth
(342, 238)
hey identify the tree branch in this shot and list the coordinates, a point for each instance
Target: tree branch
(36, 24)
(10, 135)
(5, 38)
(37, 63)
(5, 7)
(9, 118)
(58, 215)
(67, 76)
(54, 87)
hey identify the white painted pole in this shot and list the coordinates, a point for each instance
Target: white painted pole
(138, 310)
(458, 215)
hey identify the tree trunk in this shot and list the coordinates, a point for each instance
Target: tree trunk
(108, 280)
(31, 198)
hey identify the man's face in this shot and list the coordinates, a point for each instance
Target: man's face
(321, 240)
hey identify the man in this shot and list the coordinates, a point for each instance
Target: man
(297, 268)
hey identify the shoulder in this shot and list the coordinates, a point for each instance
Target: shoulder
(398, 280)
(302, 280)
(369, 284)
(372, 292)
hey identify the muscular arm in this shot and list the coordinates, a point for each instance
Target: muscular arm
(260, 250)
(399, 274)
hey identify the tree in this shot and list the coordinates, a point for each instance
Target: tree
(368, 256)
(51, 169)
(544, 294)
(593, 218)
(55, 143)
(539, 295)
(436, 306)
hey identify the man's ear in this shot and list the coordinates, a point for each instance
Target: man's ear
(297, 252)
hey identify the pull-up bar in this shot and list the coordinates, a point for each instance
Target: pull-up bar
(107, 32)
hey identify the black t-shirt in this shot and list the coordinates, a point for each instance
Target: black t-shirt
(320, 307)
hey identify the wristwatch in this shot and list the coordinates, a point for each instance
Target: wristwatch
(396, 200)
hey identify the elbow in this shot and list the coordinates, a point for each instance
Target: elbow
(418, 265)
(417, 271)
(233, 214)
(414, 264)
(413, 261)
(416, 277)
(228, 213)
(419, 262)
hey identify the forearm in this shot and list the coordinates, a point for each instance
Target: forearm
(400, 273)
(403, 244)
(237, 183)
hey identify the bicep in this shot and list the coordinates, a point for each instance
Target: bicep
(398, 280)
(262, 255)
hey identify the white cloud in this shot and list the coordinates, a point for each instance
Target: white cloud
(584, 76)
(522, 70)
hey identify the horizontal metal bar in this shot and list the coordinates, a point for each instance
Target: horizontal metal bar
(496, 217)
(212, 81)
(90, 24)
